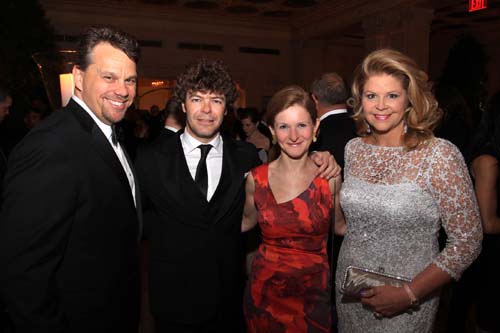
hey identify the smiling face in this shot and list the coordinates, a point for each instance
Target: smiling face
(204, 114)
(294, 130)
(384, 102)
(108, 84)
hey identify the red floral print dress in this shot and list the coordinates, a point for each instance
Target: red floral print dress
(288, 289)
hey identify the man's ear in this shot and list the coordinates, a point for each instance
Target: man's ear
(78, 78)
(314, 98)
(183, 107)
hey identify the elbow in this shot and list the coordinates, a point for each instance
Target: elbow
(245, 226)
(491, 227)
(340, 229)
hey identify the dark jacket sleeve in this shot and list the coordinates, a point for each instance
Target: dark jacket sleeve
(38, 206)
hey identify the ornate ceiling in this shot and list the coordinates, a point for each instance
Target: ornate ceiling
(263, 8)
(449, 14)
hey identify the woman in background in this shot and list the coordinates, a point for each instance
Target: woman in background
(288, 287)
(249, 122)
(485, 154)
(401, 184)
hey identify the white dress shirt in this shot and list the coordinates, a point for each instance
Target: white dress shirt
(214, 159)
(106, 129)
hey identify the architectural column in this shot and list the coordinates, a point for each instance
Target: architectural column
(406, 29)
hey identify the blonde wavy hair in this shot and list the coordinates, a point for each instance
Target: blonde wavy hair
(422, 114)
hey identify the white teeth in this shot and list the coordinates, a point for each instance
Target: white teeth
(116, 103)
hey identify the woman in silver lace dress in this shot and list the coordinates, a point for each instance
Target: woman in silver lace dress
(401, 185)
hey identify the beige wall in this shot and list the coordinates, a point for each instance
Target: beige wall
(259, 75)
(302, 57)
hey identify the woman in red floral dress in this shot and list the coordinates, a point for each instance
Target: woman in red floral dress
(288, 289)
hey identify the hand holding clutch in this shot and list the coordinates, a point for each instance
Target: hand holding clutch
(357, 279)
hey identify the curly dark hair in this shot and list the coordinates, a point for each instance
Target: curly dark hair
(206, 76)
(94, 35)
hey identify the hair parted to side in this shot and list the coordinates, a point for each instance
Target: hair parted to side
(330, 89)
(94, 35)
(422, 115)
(207, 76)
(249, 113)
(287, 97)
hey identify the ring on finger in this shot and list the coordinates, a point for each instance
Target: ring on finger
(377, 315)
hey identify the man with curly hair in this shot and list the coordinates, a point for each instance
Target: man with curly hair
(193, 188)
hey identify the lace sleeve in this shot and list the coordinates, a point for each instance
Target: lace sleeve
(451, 186)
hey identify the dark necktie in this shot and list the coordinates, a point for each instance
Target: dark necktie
(114, 135)
(201, 177)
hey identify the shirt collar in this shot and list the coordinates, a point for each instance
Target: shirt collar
(190, 143)
(106, 129)
(173, 129)
(332, 112)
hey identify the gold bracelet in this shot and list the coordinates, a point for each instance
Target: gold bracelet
(413, 299)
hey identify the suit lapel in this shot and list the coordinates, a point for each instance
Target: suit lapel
(232, 177)
(138, 203)
(182, 194)
(100, 143)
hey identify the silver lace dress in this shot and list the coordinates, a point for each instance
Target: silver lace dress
(394, 203)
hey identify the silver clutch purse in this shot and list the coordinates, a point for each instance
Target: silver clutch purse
(356, 279)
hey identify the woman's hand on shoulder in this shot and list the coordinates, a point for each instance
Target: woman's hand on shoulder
(327, 166)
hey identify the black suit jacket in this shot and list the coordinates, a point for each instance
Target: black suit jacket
(3, 165)
(68, 231)
(166, 133)
(196, 250)
(334, 133)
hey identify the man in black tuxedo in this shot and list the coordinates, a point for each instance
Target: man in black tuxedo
(336, 127)
(193, 190)
(69, 226)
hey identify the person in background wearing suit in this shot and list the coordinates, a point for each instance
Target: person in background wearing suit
(69, 260)
(193, 190)
(336, 128)
(175, 119)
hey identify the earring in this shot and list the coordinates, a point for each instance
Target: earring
(368, 128)
(315, 138)
(273, 141)
(405, 128)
